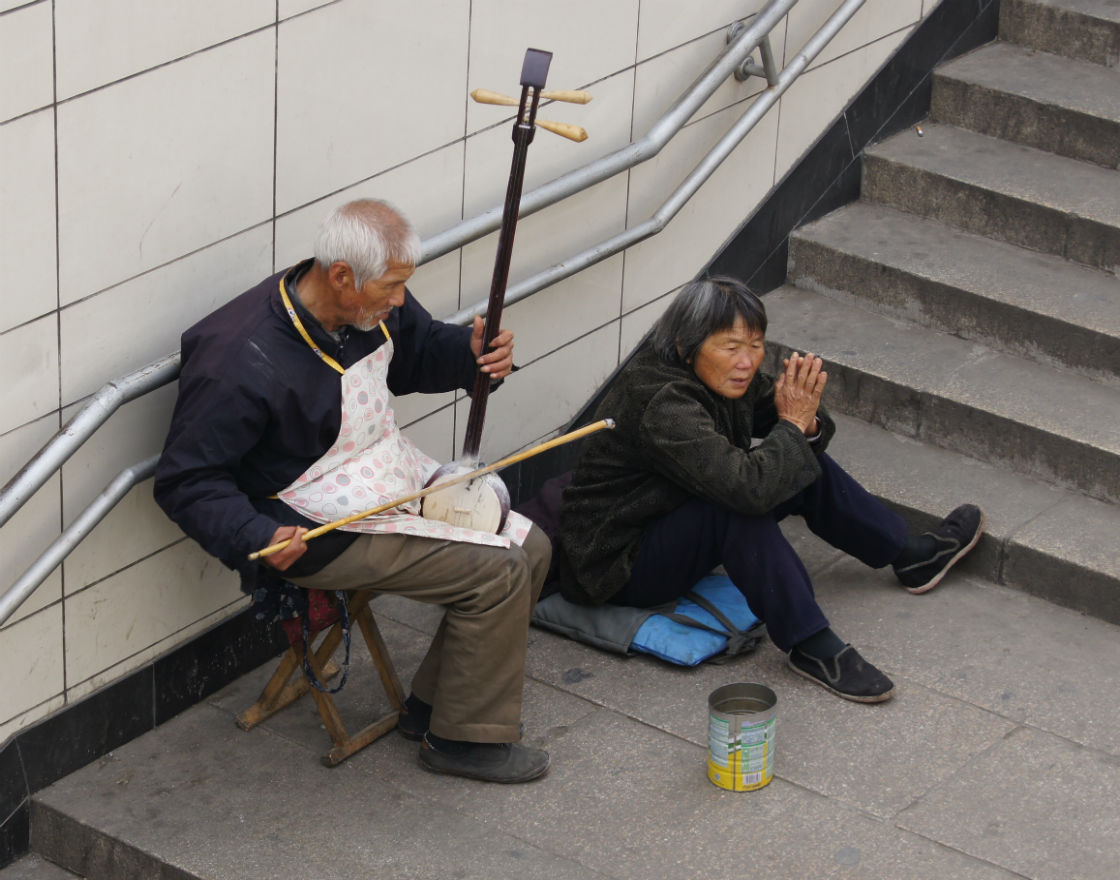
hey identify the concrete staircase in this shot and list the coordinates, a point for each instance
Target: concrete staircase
(968, 306)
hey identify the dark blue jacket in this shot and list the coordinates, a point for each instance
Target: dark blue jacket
(257, 407)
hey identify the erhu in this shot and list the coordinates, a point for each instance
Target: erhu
(465, 492)
(483, 503)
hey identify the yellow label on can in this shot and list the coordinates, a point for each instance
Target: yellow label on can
(740, 748)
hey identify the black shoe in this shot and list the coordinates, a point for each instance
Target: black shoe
(414, 718)
(410, 726)
(954, 537)
(847, 675)
(489, 762)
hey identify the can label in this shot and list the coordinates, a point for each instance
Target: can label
(740, 745)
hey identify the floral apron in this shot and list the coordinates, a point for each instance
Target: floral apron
(371, 462)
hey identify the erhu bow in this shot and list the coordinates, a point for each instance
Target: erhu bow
(483, 503)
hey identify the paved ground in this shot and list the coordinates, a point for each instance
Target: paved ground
(998, 758)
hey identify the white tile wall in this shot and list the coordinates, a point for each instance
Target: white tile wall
(817, 97)
(142, 605)
(79, 690)
(27, 239)
(545, 395)
(100, 42)
(427, 190)
(288, 8)
(347, 112)
(436, 285)
(875, 19)
(157, 166)
(32, 652)
(588, 39)
(29, 365)
(125, 327)
(549, 319)
(636, 324)
(434, 434)
(25, 60)
(134, 529)
(682, 249)
(666, 24)
(566, 228)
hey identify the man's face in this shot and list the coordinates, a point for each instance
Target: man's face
(377, 297)
(729, 359)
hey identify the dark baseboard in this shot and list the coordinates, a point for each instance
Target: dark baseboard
(826, 178)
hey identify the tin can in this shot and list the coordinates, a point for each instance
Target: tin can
(741, 720)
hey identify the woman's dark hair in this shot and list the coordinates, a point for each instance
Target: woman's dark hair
(700, 309)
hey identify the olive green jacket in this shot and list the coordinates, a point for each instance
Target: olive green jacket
(675, 439)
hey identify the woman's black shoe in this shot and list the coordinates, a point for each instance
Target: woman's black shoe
(847, 675)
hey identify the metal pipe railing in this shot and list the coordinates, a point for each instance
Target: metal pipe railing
(80, 428)
(633, 154)
(688, 187)
(73, 534)
(114, 394)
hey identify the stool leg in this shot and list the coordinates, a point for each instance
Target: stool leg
(281, 692)
(380, 654)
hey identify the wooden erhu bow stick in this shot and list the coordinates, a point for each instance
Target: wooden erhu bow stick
(461, 478)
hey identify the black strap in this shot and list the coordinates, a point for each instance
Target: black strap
(738, 640)
(344, 621)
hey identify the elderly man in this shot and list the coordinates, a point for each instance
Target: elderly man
(283, 422)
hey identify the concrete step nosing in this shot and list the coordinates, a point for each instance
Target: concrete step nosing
(1044, 565)
(1000, 439)
(1065, 131)
(825, 268)
(1054, 28)
(979, 209)
(93, 853)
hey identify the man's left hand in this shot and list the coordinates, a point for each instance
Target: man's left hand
(498, 362)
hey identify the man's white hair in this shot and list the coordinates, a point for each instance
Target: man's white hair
(367, 234)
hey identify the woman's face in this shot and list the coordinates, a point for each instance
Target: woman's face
(728, 359)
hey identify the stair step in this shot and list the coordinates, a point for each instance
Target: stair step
(34, 867)
(1068, 107)
(1084, 29)
(1007, 191)
(956, 394)
(1050, 542)
(1031, 304)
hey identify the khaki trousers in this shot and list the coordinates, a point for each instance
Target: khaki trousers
(474, 671)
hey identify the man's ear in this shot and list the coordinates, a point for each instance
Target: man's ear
(339, 274)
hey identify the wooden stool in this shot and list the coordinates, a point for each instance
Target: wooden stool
(289, 682)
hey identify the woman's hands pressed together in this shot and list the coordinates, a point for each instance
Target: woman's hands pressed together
(797, 393)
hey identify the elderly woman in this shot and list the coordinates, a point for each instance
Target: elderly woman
(678, 488)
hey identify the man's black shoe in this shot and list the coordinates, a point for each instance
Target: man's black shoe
(953, 538)
(489, 762)
(410, 726)
(847, 675)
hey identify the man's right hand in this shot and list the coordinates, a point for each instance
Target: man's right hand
(282, 559)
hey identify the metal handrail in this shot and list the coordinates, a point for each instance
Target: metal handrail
(733, 60)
